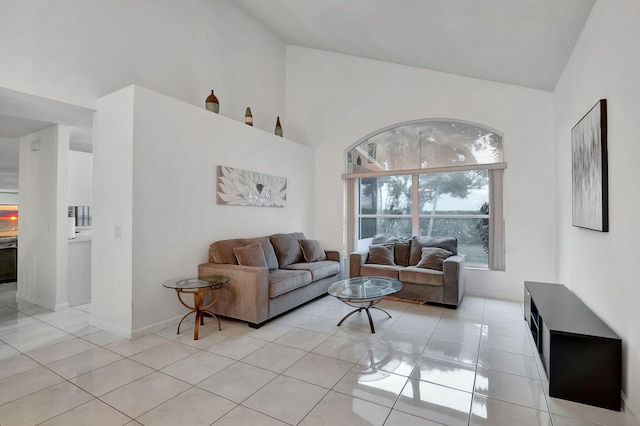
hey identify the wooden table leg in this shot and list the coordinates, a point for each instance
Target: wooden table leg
(198, 299)
(191, 310)
(214, 299)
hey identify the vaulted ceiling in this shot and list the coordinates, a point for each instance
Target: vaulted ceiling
(522, 42)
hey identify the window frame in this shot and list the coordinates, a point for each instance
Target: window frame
(496, 170)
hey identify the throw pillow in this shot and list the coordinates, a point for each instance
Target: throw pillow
(402, 247)
(269, 253)
(251, 255)
(433, 257)
(287, 248)
(381, 254)
(417, 243)
(312, 250)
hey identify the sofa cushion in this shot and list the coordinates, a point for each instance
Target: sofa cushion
(222, 251)
(432, 258)
(287, 248)
(283, 281)
(312, 250)
(251, 255)
(401, 249)
(373, 270)
(381, 254)
(417, 243)
(320, 269)
(414, 275)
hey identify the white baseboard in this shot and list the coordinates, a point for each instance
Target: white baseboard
(45, 304)
(160, 325)
(118, 331)
(61, 306)
(631, 413)
(138, 332)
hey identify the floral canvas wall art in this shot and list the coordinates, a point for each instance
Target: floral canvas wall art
(246, 188)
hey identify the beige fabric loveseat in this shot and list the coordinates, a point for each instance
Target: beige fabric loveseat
(269, 275)
(430, 269)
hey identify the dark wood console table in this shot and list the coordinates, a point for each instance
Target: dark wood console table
(581, 355)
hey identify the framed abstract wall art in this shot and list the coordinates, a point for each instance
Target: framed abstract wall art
(589, 170)
(245, 188)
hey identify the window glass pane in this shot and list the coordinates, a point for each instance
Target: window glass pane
(368, 227)
(400, 227)
(459, 193)
(424, 144)
(472, 235)
(8, 220)
(388, 195)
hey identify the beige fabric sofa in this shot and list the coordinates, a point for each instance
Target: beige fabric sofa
(258, 293)
(444, 286)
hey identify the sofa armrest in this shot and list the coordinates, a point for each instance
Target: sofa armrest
(356, 260)
(454, 275)
(246, 297)
(332, 255)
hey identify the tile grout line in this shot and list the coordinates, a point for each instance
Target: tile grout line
(199, 350)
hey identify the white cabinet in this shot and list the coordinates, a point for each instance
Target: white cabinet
(79, 270)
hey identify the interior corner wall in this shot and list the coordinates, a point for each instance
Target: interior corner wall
(43, 183)
(77, 51)
(155, 162)
(600, 267)
(333, 100)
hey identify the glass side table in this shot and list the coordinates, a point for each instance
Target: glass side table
(199, 287)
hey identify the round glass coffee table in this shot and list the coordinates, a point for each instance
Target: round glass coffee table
(198, 287)
(363, 293)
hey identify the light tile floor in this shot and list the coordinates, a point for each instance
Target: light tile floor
(424, 366)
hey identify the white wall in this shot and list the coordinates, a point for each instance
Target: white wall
(333, 100)
(111, 288)
(166, 159)
(80, 178)
(42, 258)
(601, 267)
(8, 198)
(77, 51)
(9, 149)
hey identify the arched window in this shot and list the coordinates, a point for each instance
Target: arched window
(435, 177)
